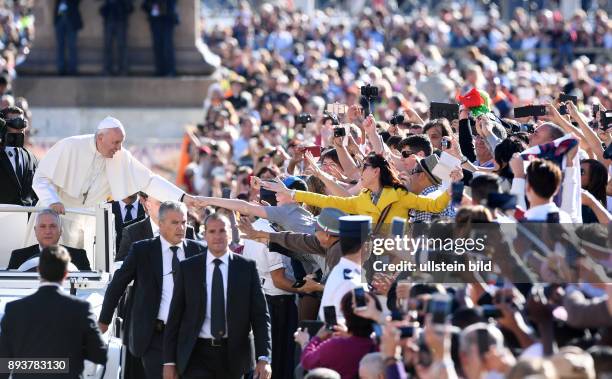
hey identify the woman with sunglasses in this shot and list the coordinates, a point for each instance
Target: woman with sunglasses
(381, 188)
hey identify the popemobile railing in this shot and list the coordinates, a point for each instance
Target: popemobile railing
(100, 246)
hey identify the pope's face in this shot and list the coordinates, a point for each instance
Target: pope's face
(109, 142)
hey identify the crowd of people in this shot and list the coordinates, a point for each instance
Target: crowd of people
(16, 35)
(296, 137)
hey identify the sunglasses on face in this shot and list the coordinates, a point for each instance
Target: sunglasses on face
(407, 153)
(366, 165)
(416, 170)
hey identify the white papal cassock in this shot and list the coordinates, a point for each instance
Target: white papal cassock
(74, 173)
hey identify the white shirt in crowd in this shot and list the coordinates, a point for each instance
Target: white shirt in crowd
(344, 277)
(540, 213)
(569, 188)
(167, 277)
(210, 267)
(266, 261)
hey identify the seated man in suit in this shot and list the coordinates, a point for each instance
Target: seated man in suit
(51, 323)
(126, 211)
(48, 231)
(144, 229)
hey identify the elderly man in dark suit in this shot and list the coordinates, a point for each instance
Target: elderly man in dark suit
(51, 323)
(17, 164)
(152, 265)
(48, 231)
(68, 21)
(217, 301)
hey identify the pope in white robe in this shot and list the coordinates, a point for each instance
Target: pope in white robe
(86, 170)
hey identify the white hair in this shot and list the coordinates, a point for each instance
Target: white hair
(52, 213)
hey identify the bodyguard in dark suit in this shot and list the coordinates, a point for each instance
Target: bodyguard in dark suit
(17, 164)
(139, 230)
(163, 17)
(48, 231)
(151, 264)
(68, 21)
(116, 14)
(126, 211)
(51, 323)
(217, 301)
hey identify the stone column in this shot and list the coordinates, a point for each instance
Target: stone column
(192, 57)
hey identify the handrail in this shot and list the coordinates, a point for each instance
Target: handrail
(19, 208)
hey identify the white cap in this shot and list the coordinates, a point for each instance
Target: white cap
(110, 123)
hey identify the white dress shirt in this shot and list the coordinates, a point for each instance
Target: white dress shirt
(210, 267)
(266, 260)
(569, 187)
(167, 277)
(154, 227)
(540, 213)
(134, 210)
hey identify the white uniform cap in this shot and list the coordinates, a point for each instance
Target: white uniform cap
(110, 123)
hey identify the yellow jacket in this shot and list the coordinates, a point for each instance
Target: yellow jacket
(362, 204)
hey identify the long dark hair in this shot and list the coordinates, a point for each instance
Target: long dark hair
(389, 176)
(598, 179)
(357, 326)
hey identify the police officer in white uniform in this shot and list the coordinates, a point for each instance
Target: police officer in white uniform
(347, 274)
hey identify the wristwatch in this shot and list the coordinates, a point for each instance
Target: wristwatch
(464, 159)
(265, 359)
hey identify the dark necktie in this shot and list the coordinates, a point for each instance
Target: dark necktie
(217, 303)
(128, 213)
(175, 260)
(17, 164)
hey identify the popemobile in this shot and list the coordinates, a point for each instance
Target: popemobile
(87, 285)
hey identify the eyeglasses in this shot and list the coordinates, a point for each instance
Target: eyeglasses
(407, 153)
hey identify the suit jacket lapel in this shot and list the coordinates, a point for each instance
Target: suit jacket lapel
(141, 212)
(147, 229)
(233, 291)
(191, 249)
(6, 163)
(201, 287)
(157, 261)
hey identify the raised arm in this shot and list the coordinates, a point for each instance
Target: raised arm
(236, 205)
